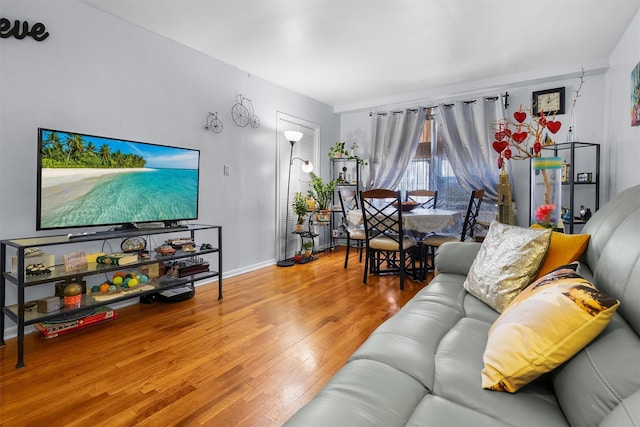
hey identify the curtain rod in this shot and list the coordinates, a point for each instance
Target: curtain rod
(472, 101)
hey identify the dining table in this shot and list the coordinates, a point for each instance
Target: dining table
(417, 224)
(416, 221)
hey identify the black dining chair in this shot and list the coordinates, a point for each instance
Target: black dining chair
(355, 234)
(426, 199)
(386, 243)
(434, 241)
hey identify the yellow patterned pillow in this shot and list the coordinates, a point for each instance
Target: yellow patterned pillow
(544, 326)
(506, 263)
(563, 249)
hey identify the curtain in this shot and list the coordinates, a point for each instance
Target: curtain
(395, 137)
(467, 130)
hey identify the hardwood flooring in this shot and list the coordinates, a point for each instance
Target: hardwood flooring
(251, 359)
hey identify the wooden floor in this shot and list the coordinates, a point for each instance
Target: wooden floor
(251, 359)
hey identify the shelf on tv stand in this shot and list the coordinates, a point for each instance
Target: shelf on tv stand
(22, 317)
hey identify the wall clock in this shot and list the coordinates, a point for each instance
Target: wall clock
(550, 101)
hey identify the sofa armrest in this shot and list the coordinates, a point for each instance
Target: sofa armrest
(456, 257)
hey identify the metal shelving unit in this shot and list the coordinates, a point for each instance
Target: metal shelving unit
(349, 169)
(22, 317)
(572, 184)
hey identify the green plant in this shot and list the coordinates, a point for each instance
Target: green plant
(337, 150)
(299, 206)
(320, 192)
(307, 245)
(361, 161)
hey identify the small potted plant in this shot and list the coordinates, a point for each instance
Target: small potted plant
(299, 206)
(337, 150)
(323, 195)
(354, 156)
(298, 256)
(308, 248)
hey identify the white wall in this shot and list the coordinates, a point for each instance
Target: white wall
(625, 139)
(101, 75)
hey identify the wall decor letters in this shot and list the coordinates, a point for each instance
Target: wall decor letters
(38, 31)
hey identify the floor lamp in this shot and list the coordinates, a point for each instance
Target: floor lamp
(292, 136)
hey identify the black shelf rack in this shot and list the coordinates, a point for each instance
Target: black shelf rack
(23, 317)
(571, 182)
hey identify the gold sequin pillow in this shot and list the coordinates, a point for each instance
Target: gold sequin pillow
(507, 262)
(544, 326)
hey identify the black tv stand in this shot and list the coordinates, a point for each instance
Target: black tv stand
(23, 284)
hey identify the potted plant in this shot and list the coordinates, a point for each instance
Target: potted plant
(337, 150)
(322, 194)
(299, 206)
(308, 248)
(298, 256)
(354, 156)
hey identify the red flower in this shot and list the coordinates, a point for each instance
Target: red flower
(543, 213)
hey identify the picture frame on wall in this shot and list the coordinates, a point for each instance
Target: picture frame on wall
(635, 95)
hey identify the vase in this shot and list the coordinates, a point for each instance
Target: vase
(324, 215)
(546, 189)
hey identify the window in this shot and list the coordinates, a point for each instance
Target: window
(430, 170)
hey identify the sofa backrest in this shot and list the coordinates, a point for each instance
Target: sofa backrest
(602, 376)
(613, 254)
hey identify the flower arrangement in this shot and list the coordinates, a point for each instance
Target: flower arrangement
(543, 215)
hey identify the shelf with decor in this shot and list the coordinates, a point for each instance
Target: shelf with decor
(24, 312)
(580, 181)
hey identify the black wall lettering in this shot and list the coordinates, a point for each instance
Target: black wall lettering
(38, 31)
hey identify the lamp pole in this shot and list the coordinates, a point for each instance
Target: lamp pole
(287, 262)
(292, 137)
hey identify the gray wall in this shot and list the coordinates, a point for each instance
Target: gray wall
(101, 75)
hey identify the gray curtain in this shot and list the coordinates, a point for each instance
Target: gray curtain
(395, 137)
(467, 130)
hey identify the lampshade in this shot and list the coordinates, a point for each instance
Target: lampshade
(307, 167)
(293, 135)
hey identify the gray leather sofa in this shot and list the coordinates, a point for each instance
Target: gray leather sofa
(422, 367)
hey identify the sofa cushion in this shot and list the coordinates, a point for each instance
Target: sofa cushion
(362, 393)
(563, 249)
(507, 262)
(543, 327)
(604, 373)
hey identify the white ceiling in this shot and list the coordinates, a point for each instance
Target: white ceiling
(355, 54)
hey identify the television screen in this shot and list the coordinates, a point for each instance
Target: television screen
(86, 180)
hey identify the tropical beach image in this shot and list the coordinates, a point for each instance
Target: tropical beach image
(89, 180)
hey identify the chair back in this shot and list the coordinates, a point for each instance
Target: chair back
(471, 218)
(348, 201)
(427, 199)
(381, 214)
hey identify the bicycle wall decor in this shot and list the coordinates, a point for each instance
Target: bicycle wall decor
(213, 123)
(242, 113)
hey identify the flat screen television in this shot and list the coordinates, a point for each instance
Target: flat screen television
(87, 180)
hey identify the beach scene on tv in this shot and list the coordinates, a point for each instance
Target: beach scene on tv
(89, 180)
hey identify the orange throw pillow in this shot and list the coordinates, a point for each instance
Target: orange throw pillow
(563, 249)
